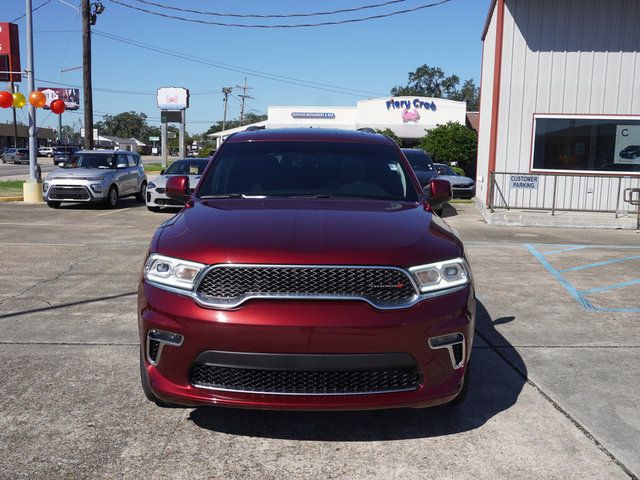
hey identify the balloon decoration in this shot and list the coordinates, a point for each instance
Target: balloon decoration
(58, 106)
(19, 100)
(37, 99)
(6, 99)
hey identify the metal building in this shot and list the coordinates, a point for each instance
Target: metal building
(560, 105)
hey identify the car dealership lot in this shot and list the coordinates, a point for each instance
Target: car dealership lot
(559, 307)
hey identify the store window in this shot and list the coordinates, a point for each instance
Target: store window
(591, 144)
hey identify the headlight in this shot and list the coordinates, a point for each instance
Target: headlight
(441, 275)
(172, 272)
(94, 179)
(151, 185)
(45, 187)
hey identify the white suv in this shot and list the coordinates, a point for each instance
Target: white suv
(45, 152)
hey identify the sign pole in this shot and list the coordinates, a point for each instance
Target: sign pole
(163, 141)
(60, 129)
(182, 153)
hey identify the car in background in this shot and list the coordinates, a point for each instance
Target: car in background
(463, 187)
(307, 273)
(630, 152)
(102, 176)
(16, 155)
(45, 152)
(63, 153)
(156, 191)
(422, 164)
(424, 169)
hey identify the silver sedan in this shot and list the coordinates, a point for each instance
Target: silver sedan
(156, 193)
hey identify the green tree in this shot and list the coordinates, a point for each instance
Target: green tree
(389, 133)
(452, 142)
(428, 81)
(125, 125)
(69, 135)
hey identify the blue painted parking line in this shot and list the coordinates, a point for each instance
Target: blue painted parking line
(611, 287)
(573, 291)
(581, 295)
(599, 264)
(574, 247)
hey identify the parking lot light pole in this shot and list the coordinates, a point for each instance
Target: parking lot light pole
(31, 189)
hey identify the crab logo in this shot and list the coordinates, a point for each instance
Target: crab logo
(408, 116)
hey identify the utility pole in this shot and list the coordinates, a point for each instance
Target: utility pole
(243, 96)
(90, 11)
(86, 75)
(15, 122)
(226, 91)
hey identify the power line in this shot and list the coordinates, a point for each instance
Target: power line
(299, 25)
(32, 10)
(288, 15)
(234, 68)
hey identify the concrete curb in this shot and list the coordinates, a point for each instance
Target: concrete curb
(19, 198)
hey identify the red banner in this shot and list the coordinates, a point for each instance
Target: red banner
(9, 53)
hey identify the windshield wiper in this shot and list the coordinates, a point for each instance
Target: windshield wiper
(232, 195)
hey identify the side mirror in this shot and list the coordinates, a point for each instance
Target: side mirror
(438, 191)
(177, 188)
(162, 172)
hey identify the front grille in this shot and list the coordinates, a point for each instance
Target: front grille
(381, 286)
(169, 201)
(305, 382)
(68, 193)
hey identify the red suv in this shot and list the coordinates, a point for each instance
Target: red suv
(306, 271)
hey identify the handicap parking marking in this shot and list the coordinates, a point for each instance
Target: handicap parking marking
(581, 295)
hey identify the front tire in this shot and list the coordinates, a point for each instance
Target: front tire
(141, 194)
(112, 197)
(51, 204)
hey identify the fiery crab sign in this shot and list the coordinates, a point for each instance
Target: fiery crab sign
(173, 98)
(70, 97)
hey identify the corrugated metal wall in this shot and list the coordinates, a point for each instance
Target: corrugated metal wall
(564, 56)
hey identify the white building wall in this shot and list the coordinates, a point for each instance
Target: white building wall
(560, 57)
(283, 117)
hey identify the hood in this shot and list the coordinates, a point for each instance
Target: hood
(457, 180)
(308, 231)
(78, 172)
(161, 180)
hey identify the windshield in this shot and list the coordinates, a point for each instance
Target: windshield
(445, 170)
(317, 169)
(186, 167)
(419, 160)
(91, 160)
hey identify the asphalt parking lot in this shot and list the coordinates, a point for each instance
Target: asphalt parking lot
(554, 392)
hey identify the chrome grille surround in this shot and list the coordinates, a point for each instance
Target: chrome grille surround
(227, 286)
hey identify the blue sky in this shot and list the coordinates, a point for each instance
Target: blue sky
(371, 57)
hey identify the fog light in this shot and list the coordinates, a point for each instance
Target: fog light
(96, 187)
(156, 339)
(454, 343)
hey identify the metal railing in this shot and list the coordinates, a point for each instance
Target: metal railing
(560, 192)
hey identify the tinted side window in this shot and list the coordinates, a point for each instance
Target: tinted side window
(133, 160)
(122, 159)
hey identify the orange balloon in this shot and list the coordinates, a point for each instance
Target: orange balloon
(37, 99)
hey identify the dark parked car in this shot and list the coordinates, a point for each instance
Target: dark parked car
(631, 152)
(422, 164)
(63, 153)
(463, 187)
(306, 271)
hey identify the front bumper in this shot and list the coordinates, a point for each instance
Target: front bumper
(73, 191)
(303, 328)
(160, 199)
(464, 191)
